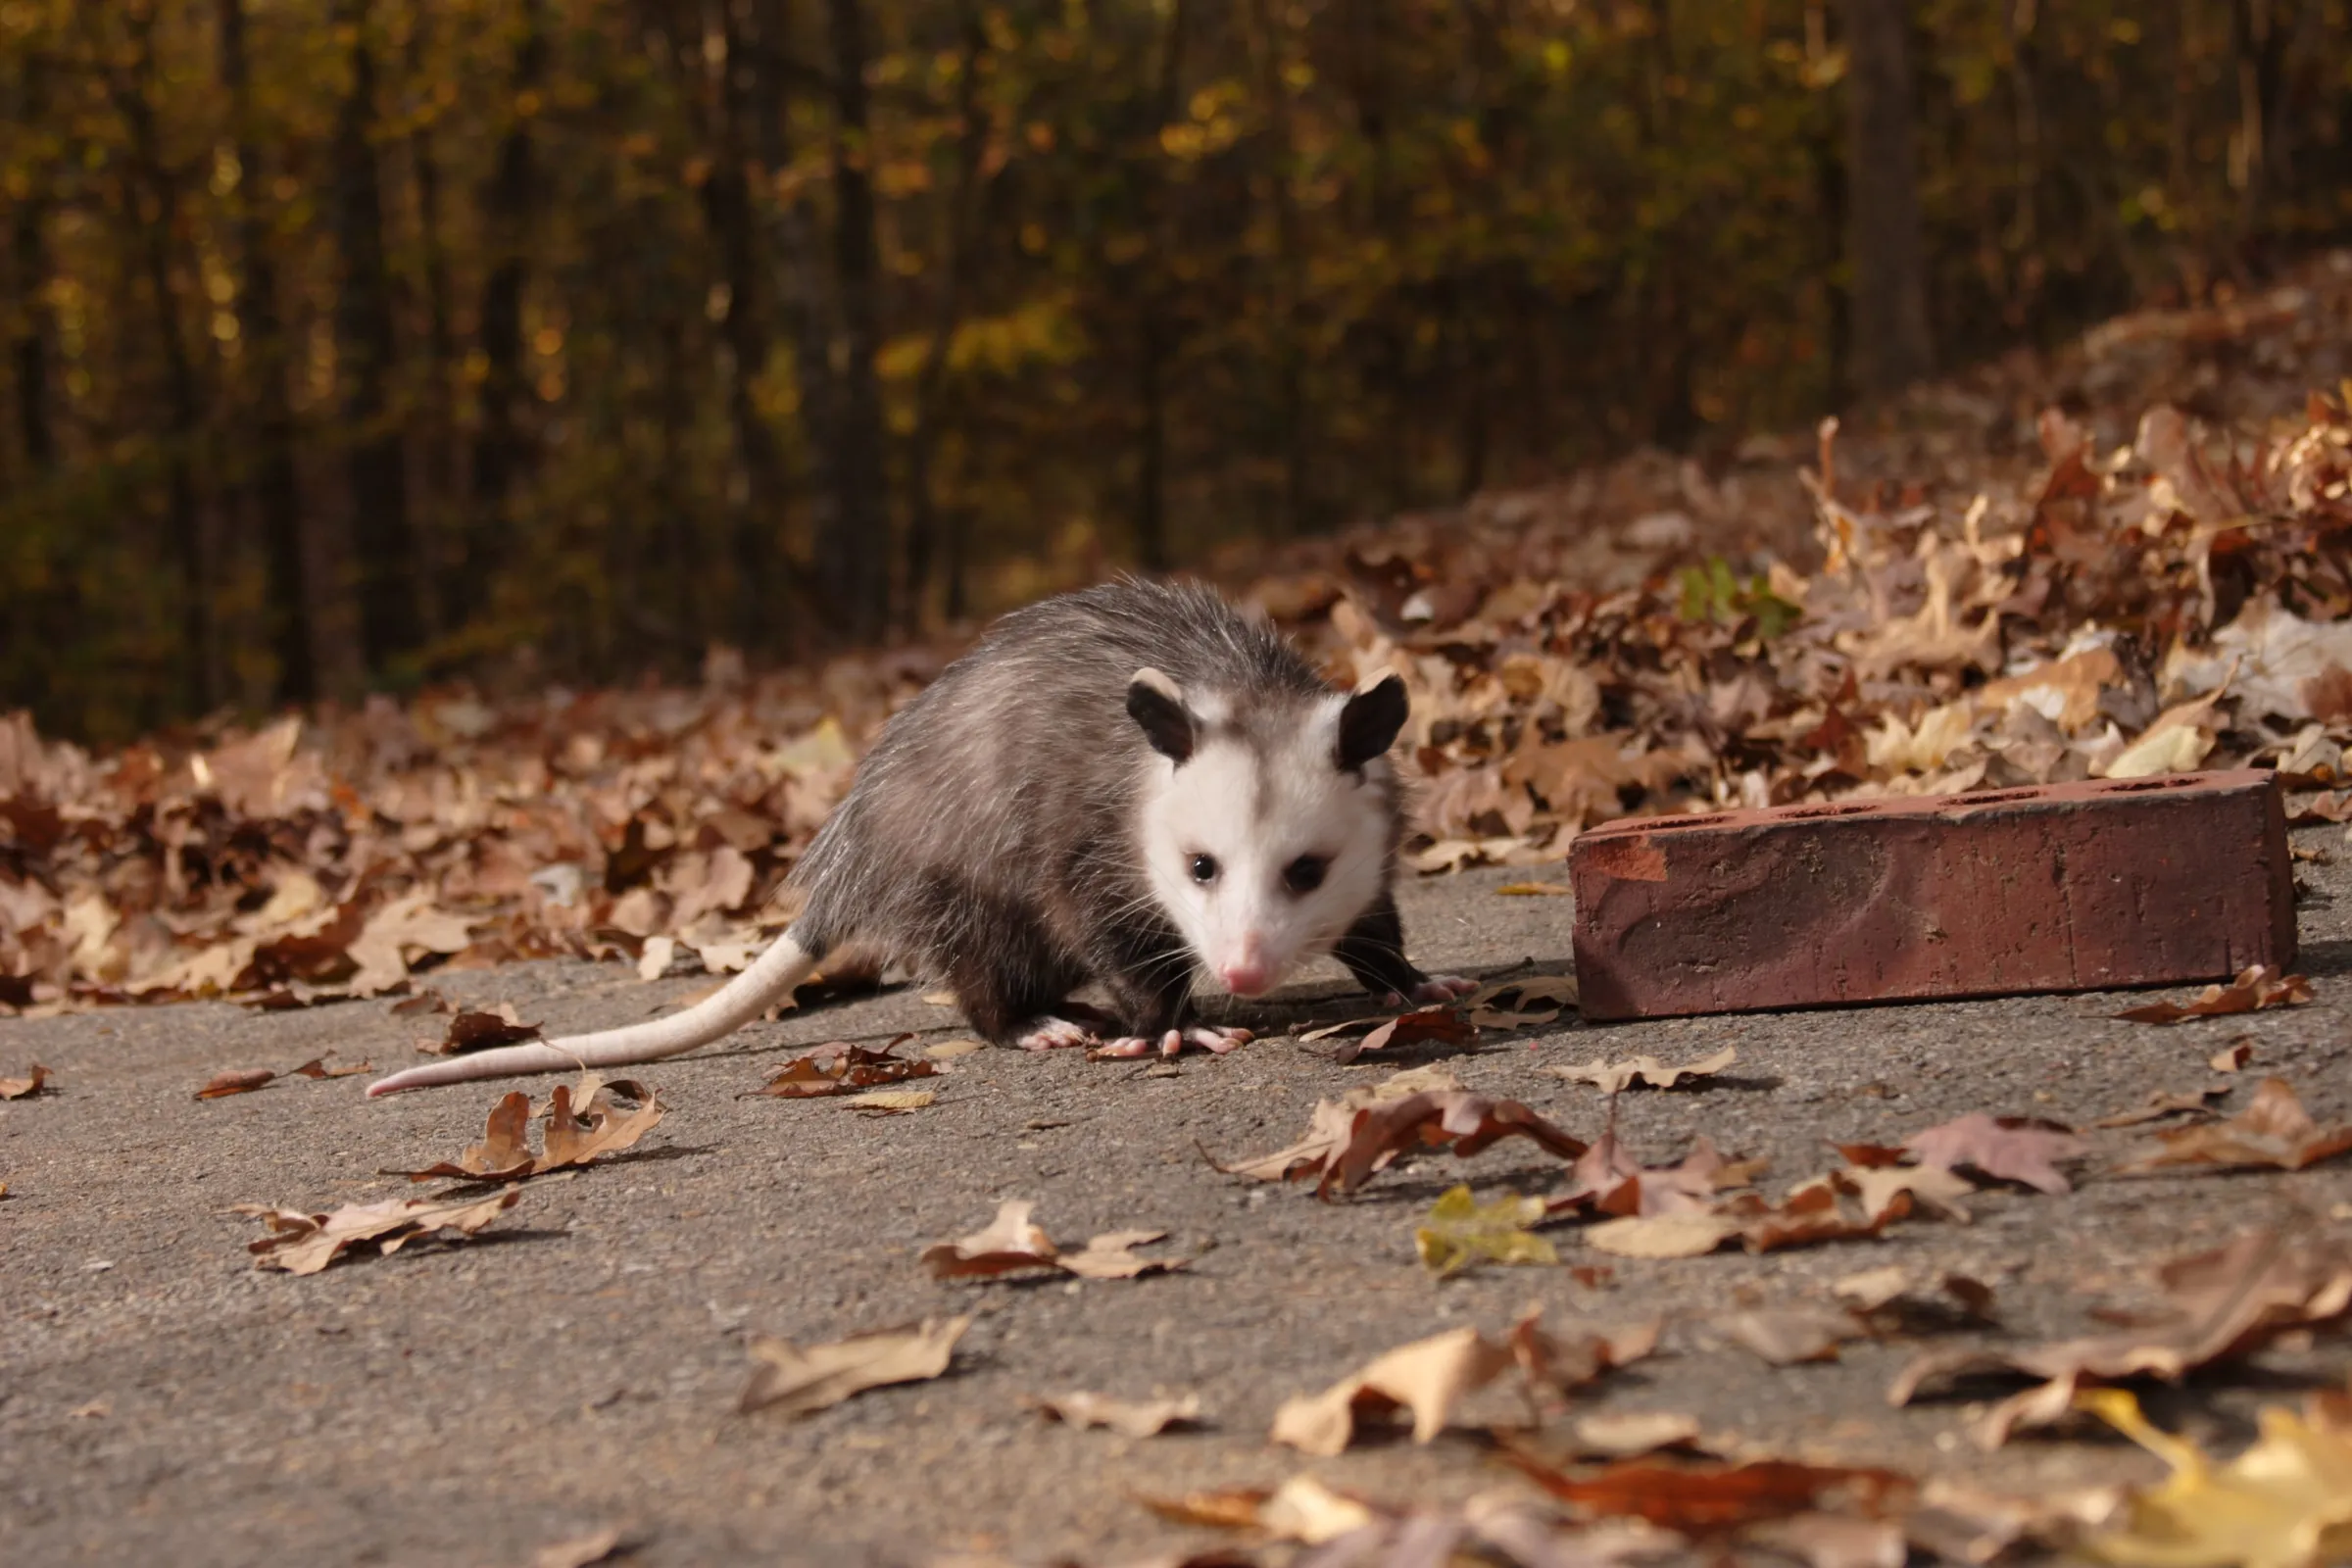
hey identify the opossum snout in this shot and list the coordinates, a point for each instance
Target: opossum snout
(1245, 971)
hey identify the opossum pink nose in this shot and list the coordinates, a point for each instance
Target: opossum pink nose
(1244, 979)
(1247, 972)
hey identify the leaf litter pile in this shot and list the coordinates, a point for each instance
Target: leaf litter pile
(2040, 572)
(1981, 589)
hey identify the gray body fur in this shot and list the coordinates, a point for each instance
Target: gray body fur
(989, 839)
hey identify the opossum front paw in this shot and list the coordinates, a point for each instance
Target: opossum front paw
(1436, 988)
(1215, 1040)
(1056, 1034)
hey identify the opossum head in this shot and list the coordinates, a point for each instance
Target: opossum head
(1266, 823)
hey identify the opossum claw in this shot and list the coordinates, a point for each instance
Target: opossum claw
(1436, 987)
(1131, 1046)
(1216, 1040)
(1056, 1034)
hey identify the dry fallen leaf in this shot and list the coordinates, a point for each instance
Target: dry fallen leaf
(890, 1101)
(1012, 1242)
(1553, 1364)
(1527, 1003)
(2284, 1502)
(803, 1382)
(25, 1087)
(304, 1244)
(1684, 1234)
(423, 1002)
(1226, 1508)
(481, 1031)
(2160, 1105)
(1447, 1025)
(1461, 1231)
(1456, 1119)
(316, 1068)
(1607, 1179)
(2225, 1305)
(2231, 1057)
(1009, 1242)
(1426, 1378)
(601, 1126)
(837, 1067)
(1885, 1297)
(1130, 1418)
(947, 1048)
(1363, 1131)
(2255, 988)
(1834, 1540)
(2274, 1130)
(2017, 1149)
(1624, 1433)
(1536, 890)
(1710, 1500)
(1302, 1509)
(1112, 1256)
(1610, 1077)
(581, 1551)
(505, 1152)
(1785, 1336)
(236, 1081)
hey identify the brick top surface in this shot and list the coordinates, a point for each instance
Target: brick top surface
(2175, 785)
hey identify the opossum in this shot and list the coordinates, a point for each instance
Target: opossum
(1125, 785)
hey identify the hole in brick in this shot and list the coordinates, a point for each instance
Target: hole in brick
(1672, 825)
(2138, 784)
(1994, 798)
(1824, 811)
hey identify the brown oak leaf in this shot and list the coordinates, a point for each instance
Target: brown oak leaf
(2225, 1305)
(304, 1244)
(802, 1382)
(2256, 987)
(2274, 1130)
(26, 1087)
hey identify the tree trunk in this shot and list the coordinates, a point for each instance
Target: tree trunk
(151, 195)
(365, 354)
(854, 553)
(267, 484)
(805, 303)
(1290, 268)
(437, 460)
(501, 450)
(1156, 328)
(922, 447)
(1152, 454)
(745, 102)
(28, 261)
(1891, 340)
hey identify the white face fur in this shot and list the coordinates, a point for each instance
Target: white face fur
(1263, 853)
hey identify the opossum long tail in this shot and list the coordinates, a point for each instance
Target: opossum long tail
(784, 965)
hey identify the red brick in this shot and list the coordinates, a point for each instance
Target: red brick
(2068, 887)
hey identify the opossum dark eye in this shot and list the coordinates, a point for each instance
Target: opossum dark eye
(1204, 868)
(1306, 873)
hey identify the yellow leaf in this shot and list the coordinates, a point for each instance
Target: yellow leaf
(1461, 1231)
(2286, 1503)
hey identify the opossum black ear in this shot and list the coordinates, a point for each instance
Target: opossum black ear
(1156, 704)
(1369, 723)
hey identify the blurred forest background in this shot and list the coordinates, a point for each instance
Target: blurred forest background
(357, 343)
